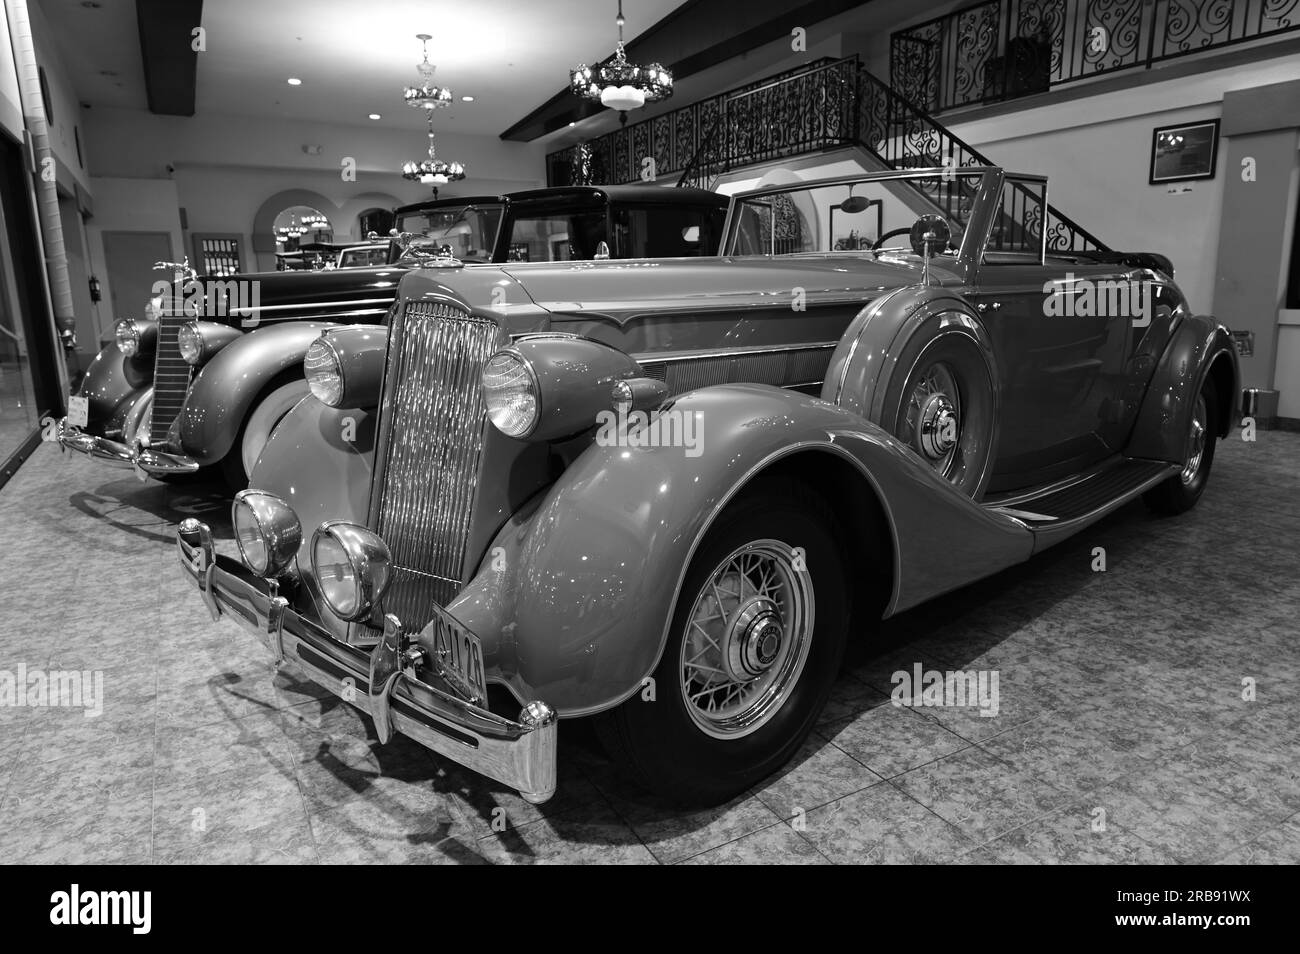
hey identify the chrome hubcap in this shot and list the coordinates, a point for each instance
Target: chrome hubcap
(1196, 443)
(934, 417)
(747, 639)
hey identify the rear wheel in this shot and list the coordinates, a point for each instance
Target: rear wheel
(754, 648)
(271, 407)
(1179, 493)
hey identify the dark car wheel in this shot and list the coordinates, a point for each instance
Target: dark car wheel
(1179, 493)
(944, 409)
(754, 648)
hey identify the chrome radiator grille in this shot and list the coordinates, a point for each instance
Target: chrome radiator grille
(171, 373)
(431, 442)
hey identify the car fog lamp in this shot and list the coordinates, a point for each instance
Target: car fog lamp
(128, 337)
(324, 372)
(351, 568)
(511, 394)
(267, 532)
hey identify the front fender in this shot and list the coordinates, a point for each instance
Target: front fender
(573, 601)
(113, 383)
(223, 392)
(1198, 344)
(319, 460)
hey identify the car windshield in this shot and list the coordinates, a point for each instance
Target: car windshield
(467, 232)
(363, 257)
(874, 215)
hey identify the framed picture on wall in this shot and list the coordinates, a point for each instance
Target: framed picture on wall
(1180, 153)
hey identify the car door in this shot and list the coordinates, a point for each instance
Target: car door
(1061, 358)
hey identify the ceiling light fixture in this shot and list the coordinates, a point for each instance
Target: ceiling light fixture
(433, 171)
(425, 95)
(621, 85)
(294, 81)
(375, 116)
(467, 99)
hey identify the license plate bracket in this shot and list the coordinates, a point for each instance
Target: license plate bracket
(458, 657)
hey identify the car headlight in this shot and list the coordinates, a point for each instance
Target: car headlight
(351, 565)
(267, 531)
(128, 337)
(324, 372)
(190, 342)
(511, 393)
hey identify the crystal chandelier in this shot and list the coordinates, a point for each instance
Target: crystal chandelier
(433, 171)
(425, 95)
(619, 84)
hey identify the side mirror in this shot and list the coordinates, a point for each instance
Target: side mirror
(854, 204)
(930, 235)
(602, 251)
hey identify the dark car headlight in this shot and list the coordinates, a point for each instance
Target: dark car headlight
(190, 343)
(351, 566)
(267, 532)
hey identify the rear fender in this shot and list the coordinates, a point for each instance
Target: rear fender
(1197, 347)
(223, 392)
(574, 602)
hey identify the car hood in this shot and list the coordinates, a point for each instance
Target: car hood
(623, 290)
(327, 285)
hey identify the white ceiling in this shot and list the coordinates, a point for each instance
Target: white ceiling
(354, 57)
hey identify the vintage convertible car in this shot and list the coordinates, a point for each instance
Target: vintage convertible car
(175, 393)
(665, 493)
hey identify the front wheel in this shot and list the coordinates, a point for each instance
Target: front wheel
(754, 648)
(1179, 493)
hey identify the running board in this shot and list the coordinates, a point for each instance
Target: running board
(1062, 510)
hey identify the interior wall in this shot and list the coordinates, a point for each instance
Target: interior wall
(130, 205)
(68, 117)
(223, 168)
(11, 114)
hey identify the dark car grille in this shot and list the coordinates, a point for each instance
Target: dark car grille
(431, 444)
(171, 376)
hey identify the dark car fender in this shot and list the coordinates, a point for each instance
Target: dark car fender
(225, 389)
(1197, 347)
(113, 385)
(573, 602)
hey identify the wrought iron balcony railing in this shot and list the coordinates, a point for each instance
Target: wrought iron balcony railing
(825, 105)
(1002, 49)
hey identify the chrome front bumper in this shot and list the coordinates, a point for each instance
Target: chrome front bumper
(381, 682)
(146, 461)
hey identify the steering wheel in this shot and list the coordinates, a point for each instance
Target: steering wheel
(888, 235)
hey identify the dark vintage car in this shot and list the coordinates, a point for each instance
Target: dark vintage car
(204, 376)
(665, 493)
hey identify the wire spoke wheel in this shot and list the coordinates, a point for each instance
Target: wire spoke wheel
(1196, 438)
(746, 639)
(933, 417)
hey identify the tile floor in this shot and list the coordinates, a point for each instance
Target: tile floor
(1122, 733)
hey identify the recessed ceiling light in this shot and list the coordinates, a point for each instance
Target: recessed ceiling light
(374, 115)
(573, 124)
(294, 81)
(467, 99)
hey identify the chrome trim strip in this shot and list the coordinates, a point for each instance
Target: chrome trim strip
(240, 310)
(671, 356)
